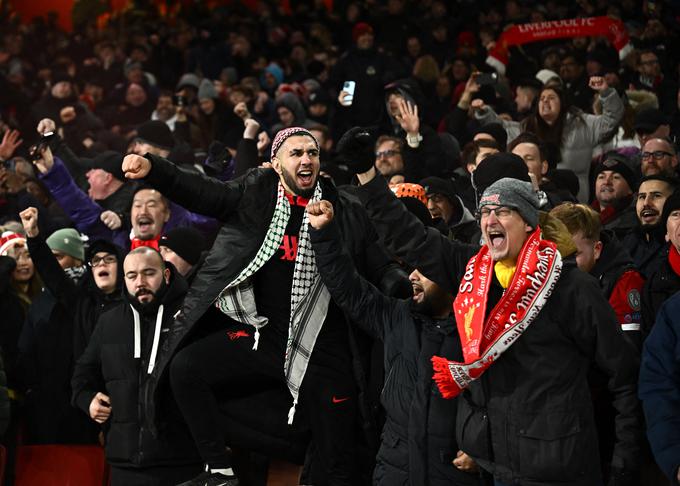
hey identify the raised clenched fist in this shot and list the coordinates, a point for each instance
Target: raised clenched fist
(136, 166)
(46, 125)
(320, 213)
(29, 219)
(477, 104)
(111, 220)
(598, 83)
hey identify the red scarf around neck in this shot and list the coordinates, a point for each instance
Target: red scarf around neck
(539, 265)
(674, 259)
(136, 243)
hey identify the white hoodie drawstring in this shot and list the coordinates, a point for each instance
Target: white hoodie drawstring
(156, 337)
(257, 339)
(138, 334)
(291, 412)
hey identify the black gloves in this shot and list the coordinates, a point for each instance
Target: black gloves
(218, 156)
(356, 149)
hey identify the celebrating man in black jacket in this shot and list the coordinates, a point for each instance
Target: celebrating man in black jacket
(109, 378)
(419, 445)
(275, 319)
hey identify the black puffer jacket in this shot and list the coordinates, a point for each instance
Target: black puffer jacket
(659, 286)
(418, 439)
(529, 418)
(246, 206)
(645, 246)
(108, 365)
(58, 327)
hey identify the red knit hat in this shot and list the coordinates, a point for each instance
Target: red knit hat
(360, 29)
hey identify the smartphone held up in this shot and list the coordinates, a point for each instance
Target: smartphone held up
(348, 88)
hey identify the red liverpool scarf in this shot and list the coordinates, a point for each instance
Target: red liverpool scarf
(612, 29)
(538, 268)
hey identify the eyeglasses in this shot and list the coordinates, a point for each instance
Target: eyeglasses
(386, 153)
(108, 260)
(502, 212)
(657, 155)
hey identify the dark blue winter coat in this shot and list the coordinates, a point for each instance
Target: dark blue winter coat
(659, 387)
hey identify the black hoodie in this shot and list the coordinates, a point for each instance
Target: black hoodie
(118, 361)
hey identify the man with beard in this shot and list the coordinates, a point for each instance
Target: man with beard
(261, 284)
(658, 156)
(445, 204)
(647, 239)
(112, 372)
(665, 280)
(418, 439)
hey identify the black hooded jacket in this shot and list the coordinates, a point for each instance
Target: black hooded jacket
(109, 365)
(418, 439)
(58, 327)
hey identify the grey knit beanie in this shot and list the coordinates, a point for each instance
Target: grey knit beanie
(207, 90)
(515, 194)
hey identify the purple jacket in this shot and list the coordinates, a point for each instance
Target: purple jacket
(85, 213)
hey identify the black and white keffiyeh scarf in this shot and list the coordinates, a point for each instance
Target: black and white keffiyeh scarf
(75, 274)
(309, 298)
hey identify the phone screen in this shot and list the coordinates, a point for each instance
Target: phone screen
(348, 87)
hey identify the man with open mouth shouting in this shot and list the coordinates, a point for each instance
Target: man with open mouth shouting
(530, 325)
(275, 319)
(418, 439)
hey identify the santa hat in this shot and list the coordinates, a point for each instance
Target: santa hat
(9, 240)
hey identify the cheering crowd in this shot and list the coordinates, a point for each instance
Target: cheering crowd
(394, 242)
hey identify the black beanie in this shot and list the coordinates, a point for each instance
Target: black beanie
(671, 204)
(418, 209)
(496, 167)
(157, 133)
(619, 163)
(109, 161)
(188, 243)
(498, 133)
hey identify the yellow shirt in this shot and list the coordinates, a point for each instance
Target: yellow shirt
(505, 270)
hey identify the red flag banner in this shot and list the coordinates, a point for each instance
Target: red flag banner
(612, 29)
